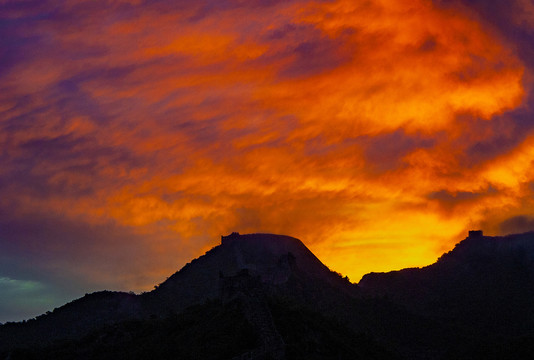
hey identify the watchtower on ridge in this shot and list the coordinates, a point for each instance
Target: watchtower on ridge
(229, 238)
(475, 233)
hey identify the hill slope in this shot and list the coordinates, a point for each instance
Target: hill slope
(244, 269)
(485, 284)
(262, 296)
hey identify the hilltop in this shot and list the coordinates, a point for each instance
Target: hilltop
(260, 296)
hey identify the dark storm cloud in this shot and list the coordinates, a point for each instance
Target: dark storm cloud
(14, 48)
(209, 7)
(429, 44)
(447, 197)
(281, 32)
(502, 134)
(316, 56)
(506, 16)
(509, 20)
(385, 151)
(448, 201)
(25, 9)
(517, 224)
(513, 20)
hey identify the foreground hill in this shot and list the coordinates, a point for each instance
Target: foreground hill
(240, 281)
(263, 296)
(485, 284)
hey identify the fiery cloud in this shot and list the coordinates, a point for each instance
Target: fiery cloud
(134, 133)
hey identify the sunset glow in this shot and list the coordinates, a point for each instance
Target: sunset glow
(135, 133)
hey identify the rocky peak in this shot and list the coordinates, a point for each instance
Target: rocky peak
(272, 259)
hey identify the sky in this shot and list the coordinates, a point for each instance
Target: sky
(134, 133)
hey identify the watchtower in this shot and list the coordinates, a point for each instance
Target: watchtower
(229, 238)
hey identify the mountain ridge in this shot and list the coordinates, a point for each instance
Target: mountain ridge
(251, 263)
(264, 277)
(494, 273)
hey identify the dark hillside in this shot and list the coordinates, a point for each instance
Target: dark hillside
(263, 296)
(483, 289)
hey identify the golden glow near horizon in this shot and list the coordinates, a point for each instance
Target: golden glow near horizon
(351, 125)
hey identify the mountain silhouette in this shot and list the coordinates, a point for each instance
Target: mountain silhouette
(264, 296)
(483, 288)
(278, 262)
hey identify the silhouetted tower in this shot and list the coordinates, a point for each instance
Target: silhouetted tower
(229, 238)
